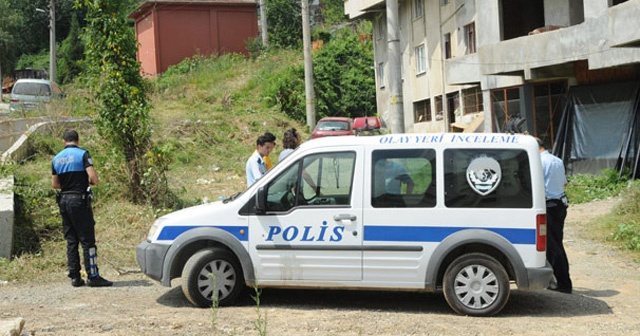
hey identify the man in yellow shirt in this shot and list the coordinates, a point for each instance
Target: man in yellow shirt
(267, 160)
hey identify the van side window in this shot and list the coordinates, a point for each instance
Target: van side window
(483, 178)
(317, 180)
(403, 178)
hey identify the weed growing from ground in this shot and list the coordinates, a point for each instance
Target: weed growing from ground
(215, 303)
(261, 319)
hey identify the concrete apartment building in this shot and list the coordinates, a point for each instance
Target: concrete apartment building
(548, 67)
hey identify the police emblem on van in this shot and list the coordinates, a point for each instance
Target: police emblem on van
(484, 175)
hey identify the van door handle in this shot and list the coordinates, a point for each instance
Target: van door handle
(344, 217)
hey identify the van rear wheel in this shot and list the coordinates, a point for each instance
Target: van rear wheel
(476, 284)
(212, 273)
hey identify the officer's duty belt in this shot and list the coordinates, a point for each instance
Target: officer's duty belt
(72, 196)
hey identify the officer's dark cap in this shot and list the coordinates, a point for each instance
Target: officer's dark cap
(70, 136)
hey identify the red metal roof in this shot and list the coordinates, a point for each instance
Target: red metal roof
(144, 7)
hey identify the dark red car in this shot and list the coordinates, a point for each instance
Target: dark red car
(332, 126)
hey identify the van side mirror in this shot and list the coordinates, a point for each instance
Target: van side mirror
(261, 201)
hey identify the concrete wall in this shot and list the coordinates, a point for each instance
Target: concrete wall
(11, 130)
(6, 217)
(593, 41)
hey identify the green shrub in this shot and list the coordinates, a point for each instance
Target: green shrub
(286, 90)
(627, 217)
(255, 47)
(344, 80)
(588, 187)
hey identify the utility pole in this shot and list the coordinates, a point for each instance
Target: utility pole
(308, 67)
(52, 40)
(1, 78)
(396, 112)
(263, 23)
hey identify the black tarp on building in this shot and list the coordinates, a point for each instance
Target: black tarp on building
(600, 128)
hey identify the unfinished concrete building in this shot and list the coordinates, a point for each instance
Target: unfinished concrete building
(567, 71)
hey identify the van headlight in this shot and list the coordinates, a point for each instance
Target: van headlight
(154, 228)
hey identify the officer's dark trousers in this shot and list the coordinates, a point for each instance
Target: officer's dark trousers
(556, 214)
(78, 227)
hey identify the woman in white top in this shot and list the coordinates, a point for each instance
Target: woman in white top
(291, 141)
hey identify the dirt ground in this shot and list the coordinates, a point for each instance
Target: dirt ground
(605, 302)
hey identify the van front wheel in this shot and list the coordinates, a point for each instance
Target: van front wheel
(476, 284)
(212, 274)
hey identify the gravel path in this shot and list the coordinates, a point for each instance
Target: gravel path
(605, 302)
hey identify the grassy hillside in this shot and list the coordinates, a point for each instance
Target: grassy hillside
(207, 114)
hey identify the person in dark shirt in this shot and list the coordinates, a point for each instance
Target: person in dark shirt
(73, 173)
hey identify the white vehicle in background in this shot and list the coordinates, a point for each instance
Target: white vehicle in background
(30, 94)
(460, 213)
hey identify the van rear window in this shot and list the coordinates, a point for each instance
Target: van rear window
(484, 178)
(32, 89)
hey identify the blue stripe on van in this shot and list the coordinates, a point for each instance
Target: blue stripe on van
(437, 234)
(172, 232)
(380, 233)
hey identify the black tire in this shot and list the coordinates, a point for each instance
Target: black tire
(198, 274)
(476, 284)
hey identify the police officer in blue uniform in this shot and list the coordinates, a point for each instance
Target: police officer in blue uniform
(73, 173)
(554, 183)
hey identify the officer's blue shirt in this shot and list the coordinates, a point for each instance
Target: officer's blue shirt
(70, 166)
(255, 168)
(554, 177)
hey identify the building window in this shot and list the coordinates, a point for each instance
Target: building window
(418, 8)
(472, 98)
(505, 104)
(422, 111)
(549, 102)
(470, 37)
(453, 106)
(616, 2)
(439, 110)
(445, 2)
(447, 45)
(381, 78)
(382, 22)
(421, 60)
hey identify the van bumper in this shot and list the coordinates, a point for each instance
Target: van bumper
(150, 258)
(539, 278)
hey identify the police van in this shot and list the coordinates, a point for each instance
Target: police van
(456, 212)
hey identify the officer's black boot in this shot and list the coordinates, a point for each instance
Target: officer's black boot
(77, 282)
(98, 281)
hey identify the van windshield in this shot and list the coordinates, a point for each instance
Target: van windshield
(32, 89)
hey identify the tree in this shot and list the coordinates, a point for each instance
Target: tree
(332, 12)
(9, 19)
(71, 54)
(343, 80)
(32, 33)
(284, 19)
(121, 94)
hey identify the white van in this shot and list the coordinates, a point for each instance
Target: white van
(30, 94)
(461, 213)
